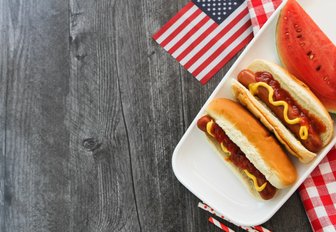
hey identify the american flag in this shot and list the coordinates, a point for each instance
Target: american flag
(205, 34)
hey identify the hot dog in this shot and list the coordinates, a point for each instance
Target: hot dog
(286, 106)
(313, 142)
(254, 153)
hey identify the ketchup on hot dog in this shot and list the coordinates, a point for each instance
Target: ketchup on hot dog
(237, 157)
(314, 127)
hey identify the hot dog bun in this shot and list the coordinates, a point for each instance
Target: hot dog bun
(300, 93)
(259, 146)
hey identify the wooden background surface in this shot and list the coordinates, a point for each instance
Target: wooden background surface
(91, 109)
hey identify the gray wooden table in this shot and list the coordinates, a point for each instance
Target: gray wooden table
(91, 109)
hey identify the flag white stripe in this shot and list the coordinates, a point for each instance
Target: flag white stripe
(192, 38)
(182, 33)
(225, 52)
(206, 40)
(177, 24)
(218, 43)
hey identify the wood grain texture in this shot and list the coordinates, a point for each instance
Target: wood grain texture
(4, 49)
(36, 143)
(152, 107)
(102, 196)
(91, 109)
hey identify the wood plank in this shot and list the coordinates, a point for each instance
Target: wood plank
(36, 68)
(100, 171)
(154, 112)
(3, 100)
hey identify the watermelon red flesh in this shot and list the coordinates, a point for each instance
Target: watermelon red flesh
(307, 52)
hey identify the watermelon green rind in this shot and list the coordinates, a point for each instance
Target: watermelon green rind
(307, 52)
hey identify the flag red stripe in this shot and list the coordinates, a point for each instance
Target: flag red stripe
(173, 20)
(229, 41)
(207, 77)
(196, 42)
(181, 27)
(216, 38)
(189, 34)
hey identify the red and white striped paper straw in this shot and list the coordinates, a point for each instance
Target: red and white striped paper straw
(220, 225)
(247, 228)
(261, 229)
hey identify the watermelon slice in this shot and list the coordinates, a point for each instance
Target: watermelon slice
(307, 52)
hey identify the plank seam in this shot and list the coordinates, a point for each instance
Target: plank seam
(3, 226)
(182, 95)
(129, 152)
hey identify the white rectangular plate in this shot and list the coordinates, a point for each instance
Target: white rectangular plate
(204, 173)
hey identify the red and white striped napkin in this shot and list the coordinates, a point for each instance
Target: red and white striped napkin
(318, 192)
(260, 11)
